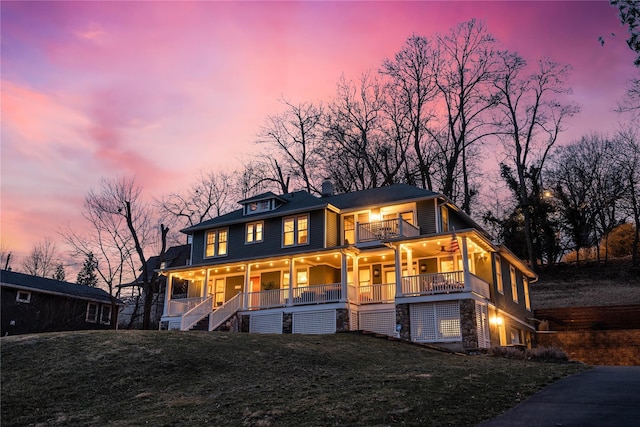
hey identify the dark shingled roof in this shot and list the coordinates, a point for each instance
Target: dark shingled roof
(378, 196)
(51, 286)
(296, 201)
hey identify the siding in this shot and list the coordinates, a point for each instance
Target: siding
(271, 244)
(427, 216)
(333, 236)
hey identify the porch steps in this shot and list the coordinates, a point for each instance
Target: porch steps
(202, 325)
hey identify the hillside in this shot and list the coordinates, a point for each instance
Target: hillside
(589, 284)
(156, 378)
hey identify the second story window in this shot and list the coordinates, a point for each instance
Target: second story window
(514, 284)
(498, 267)
(216, 243)
(295, 230)
(254, 232)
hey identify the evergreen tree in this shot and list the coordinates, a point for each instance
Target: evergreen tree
(59, 273)
(87, 276)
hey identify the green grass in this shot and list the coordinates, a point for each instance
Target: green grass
(180, 379)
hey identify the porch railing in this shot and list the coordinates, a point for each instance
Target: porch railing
(377, 293)
(317, 294)
(385, 229)
(433, 283)
(196, 314)
(177, 307)
(226, 310)
(267, 299)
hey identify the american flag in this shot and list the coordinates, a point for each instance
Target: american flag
(453, 246)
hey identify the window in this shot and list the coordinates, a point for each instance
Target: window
(257, 207)
(105, 317)
(527, 301)
(23, 296)
(514, 284)
(498, 274)
(295, 231)
(216, 243)
(92, 312)
(349, 230)
(254, 232)
(302, 277)
(444, 218)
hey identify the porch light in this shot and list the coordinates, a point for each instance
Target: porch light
(270, 264)
(496, 320)
(317, 258)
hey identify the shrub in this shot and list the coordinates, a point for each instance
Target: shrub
(540, 354)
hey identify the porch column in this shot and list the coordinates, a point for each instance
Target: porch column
(356, 277)
(167, 293)
(290, 285)
(398, 255)
(410, 271)
(344, 277)
(465, 264)
(247, 285)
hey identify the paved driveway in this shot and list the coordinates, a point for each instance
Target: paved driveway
(602, 396)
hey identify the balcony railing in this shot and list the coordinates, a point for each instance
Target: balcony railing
(386, 229)
(439, 283)
(223, 312)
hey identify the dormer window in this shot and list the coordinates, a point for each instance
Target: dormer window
(263, 203)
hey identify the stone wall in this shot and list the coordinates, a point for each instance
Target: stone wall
(403, 319)
(342, 320)
(619, 347)
(468, 326)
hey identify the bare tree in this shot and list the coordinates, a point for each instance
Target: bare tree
(464, 68)
(531, 115)
(210, 195)
(5, 257)
(356, 152)
(42, 259)
(412, 85)
(629, 161)
(292, 143)
(120, 199)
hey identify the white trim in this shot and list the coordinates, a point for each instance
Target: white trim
(25, 300)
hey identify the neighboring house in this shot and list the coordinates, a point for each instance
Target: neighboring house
(396, 260)
(32, 304)
(132, 314)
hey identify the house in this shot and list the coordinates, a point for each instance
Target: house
(396, 260)
(131, 316)
(32, 304)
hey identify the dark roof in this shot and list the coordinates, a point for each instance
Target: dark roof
(378, 196)
(51, 286)
(264, 196)
(174, 256)
(296, 201)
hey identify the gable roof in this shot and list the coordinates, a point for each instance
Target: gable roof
(174, 256)
(379, 196)
(55, 287)
(264, 196)
(297, 201)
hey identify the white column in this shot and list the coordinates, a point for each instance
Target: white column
(291, 271)
(167, 293)
(410, 271)
(465, 264)
(344, 276)
(398, 256)
(247, 284)
(356, 277)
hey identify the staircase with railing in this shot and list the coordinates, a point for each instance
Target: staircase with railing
(226, 310)
(197, 313)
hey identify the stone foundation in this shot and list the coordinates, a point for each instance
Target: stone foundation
(342, 320)
(403, 319)
(468, 326)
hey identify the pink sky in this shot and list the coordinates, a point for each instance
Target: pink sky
(164, 90)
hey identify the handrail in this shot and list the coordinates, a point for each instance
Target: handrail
(433, 283)
(314, 294)
(225, 311)
(385, 229)
(196, 314)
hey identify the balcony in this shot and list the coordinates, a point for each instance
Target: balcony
(383, 230)
(443, 283)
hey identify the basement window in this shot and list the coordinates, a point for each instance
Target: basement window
(23, 296)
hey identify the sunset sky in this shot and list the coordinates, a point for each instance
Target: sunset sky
(163, 90)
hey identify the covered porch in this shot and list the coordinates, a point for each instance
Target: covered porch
(421, 267)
